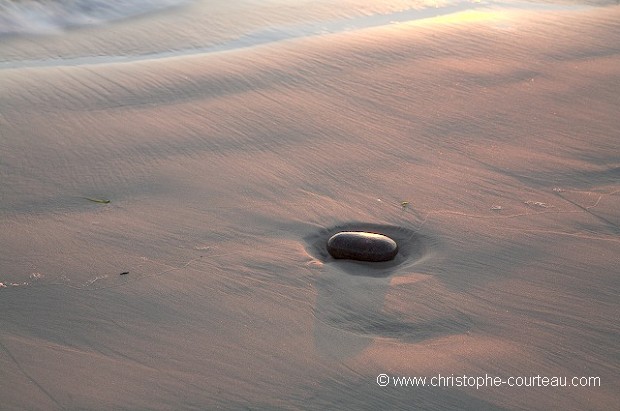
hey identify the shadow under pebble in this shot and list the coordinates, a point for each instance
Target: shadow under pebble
(349, 310)
(412, 247)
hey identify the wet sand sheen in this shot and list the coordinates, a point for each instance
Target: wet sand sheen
(224, 170)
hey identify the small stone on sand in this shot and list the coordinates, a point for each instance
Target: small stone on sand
(362, 246)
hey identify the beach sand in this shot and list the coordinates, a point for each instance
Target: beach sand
(227, 171)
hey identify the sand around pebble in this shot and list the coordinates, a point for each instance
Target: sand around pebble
(168, 185)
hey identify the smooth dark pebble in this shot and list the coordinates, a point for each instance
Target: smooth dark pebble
(362, 246)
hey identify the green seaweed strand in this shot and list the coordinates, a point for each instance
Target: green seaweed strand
(97, 200)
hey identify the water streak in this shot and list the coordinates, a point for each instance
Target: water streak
(41, 17)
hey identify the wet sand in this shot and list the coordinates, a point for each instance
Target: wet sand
(226, 171)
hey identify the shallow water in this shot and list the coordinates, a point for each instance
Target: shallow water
(51, 17)
(38, 33)
(231, 139)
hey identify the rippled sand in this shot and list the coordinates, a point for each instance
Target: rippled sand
(226, 171)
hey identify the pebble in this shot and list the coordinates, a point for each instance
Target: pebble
(362, 246)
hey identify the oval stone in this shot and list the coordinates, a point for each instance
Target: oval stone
(362, 246)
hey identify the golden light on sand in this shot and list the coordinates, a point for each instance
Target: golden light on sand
(464, 17)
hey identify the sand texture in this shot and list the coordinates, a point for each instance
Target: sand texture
(226, 173)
